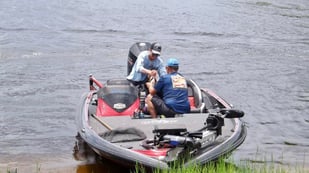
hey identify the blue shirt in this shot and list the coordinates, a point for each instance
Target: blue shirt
(173, 89)
(144, 62)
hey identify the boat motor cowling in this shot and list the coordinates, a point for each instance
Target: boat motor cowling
(134, 51)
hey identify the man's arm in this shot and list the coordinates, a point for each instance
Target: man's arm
(140, 65)
(147, 72)
(151, 89)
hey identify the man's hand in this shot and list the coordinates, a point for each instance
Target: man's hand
(153, 73)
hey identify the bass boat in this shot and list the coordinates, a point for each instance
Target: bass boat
(111, 123)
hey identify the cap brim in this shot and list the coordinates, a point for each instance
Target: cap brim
(172, 65)
(155, 52)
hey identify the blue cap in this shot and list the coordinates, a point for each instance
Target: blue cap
(172, 62)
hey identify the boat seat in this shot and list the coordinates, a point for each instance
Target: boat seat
(191, 97)
(195, 97)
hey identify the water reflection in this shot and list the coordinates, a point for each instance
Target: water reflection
(103, 167)
(93, 163)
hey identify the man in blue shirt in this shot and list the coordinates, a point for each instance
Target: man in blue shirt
(148, 63)
(172, 88)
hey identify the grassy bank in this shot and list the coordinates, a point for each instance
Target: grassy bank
(223, 166)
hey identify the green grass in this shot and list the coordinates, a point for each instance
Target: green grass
(223, 166)
(15, 170)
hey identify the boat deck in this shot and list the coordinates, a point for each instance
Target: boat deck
(191, 122)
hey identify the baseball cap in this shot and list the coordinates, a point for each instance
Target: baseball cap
(156, 48)
(172, 62)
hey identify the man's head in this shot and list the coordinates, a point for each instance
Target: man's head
(172, 64)
(155, 50)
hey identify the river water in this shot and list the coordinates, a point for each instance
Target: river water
(253, 53)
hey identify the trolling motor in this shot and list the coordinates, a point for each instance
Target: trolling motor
(213, 126)
(182, 142)
(173, 136)
(176, 135)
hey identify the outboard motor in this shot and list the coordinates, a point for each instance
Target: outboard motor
(134, 51)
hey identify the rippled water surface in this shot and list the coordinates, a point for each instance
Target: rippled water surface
(255, 54)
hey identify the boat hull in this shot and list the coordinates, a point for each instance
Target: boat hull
(132, 153)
